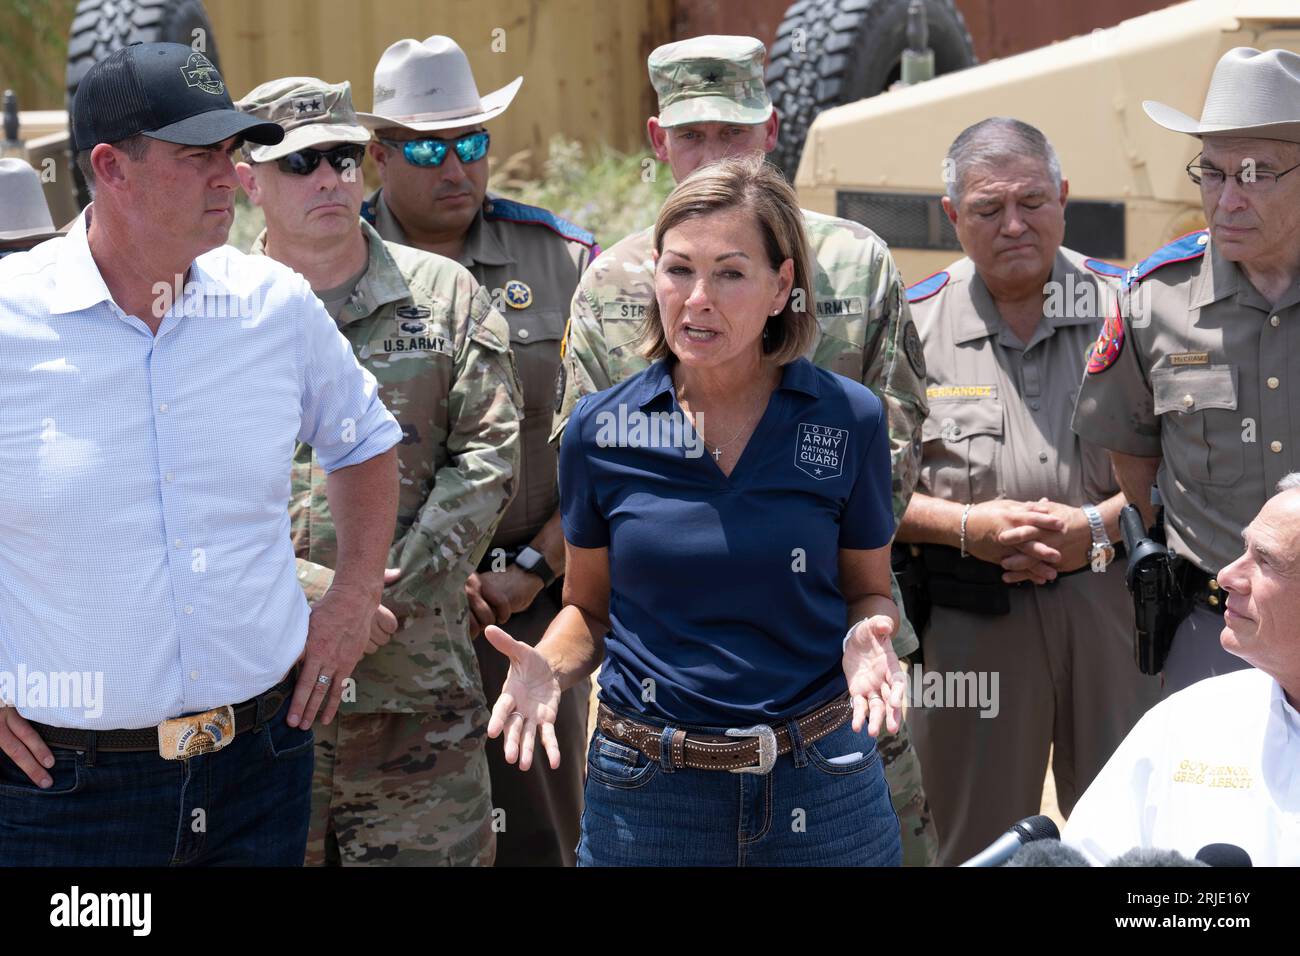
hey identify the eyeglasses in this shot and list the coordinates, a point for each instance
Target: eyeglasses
(1248, 178)
(304, 161)
(431, 152)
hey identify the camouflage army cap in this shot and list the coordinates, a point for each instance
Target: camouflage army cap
(710, 79)
(310, 111)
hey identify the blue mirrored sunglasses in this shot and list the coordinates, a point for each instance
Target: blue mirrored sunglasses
(470, 148)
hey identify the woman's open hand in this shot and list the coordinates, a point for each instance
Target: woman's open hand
(530, 699)
(877, 682)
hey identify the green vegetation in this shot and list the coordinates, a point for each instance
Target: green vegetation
(33, 37)
(606, 192)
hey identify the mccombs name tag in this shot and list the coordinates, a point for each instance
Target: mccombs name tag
(183, 737)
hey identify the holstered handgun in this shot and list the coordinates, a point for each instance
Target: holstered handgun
(1158, 605)
(909, 571)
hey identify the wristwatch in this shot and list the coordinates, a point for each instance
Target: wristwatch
(531, 560)
(1103, 552)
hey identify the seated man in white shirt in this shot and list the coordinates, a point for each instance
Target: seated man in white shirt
(1219, 762)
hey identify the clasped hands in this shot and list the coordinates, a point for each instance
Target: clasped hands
(1031, 540)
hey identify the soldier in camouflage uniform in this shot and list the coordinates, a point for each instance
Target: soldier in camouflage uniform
(712, 103)
(530, 260)
(401, 777)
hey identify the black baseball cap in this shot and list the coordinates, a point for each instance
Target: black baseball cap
(166, 91)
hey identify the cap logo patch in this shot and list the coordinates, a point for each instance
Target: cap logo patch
(199, 71)
(307, 106)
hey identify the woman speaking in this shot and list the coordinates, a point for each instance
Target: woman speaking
(726, 515)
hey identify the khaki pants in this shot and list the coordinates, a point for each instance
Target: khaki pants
(537, 811)
(1066, 678)
(402, 790)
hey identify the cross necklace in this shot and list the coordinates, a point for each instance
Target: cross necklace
(717, 449)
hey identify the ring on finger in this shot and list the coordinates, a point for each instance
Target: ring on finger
(323, 680)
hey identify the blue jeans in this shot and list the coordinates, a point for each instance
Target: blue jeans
(824, 804)
(245, 805)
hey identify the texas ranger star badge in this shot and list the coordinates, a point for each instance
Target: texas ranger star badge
(518, 295)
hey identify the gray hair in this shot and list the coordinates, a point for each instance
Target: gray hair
(1289, 482)
(992, 141)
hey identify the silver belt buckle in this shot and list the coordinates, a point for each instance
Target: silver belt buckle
(766, 747)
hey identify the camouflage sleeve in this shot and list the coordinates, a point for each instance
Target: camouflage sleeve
(471, 492)
(584, 358)
(895, 370)
(314, 578)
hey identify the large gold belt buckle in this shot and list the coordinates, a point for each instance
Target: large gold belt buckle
(184, 737)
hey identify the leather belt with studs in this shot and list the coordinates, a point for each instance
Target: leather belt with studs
(739, 750)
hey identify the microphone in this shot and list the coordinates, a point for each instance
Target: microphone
(1047, 852)
(1004, 847)
(1150, 856)
(1223, 854)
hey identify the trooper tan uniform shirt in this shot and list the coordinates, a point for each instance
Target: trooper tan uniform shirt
(999, 422)
(1200, 369)
(999, 427)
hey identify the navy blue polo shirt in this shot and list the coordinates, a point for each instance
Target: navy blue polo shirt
(724, 591)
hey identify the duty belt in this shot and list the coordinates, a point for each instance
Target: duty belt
(1201, 587)
(739, 750)
(250, 714)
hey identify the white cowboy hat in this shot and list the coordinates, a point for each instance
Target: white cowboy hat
(429, 86)
(1251, 94)
(23, 212)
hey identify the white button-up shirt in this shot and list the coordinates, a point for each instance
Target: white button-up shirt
(1218, 762)
(144, 482)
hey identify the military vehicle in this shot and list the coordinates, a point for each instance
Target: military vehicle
(880, 161)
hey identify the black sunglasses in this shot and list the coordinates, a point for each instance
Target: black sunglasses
(304, 161)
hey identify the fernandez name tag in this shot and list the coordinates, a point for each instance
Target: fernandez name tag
(184, 737)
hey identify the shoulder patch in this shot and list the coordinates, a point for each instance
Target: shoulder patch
(512, 211)
(1103, 268)
(1190, 246)
(368, 211)
(1109, 344)
(927, 287)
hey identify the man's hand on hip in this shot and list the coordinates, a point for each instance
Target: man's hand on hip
(24, 746)
(337, 634)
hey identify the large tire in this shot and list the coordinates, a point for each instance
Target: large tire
(831, 52)
(101, 26)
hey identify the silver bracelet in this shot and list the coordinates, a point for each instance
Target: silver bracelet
(844, 648)
(964, 515)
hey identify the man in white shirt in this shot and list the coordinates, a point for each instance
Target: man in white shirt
(1219, 762)
(153, 384)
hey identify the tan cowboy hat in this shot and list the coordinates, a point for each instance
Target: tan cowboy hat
(23, 212)
(429, 86)
(1252, 93)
